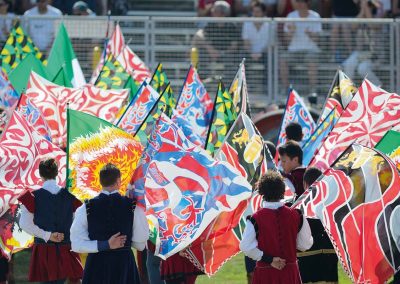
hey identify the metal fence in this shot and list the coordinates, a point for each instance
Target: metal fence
(278, 52)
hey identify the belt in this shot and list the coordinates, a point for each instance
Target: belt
(41, 241)
(261, 264)
(315, 252)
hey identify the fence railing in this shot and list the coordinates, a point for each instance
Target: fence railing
(278, 52)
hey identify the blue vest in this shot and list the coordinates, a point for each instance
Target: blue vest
(53, 212)
(108, 215)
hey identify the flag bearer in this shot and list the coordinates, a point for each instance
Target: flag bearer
(47, 214)
(275, 230)
(106, 227)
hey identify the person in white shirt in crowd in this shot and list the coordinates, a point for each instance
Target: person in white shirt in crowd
(303, 46)
(5, 20)
(274, 233)
(256, 34)
(47, 213)
(106, 227)
(42, 30)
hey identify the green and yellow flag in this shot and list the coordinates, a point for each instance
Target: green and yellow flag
(92, 143)
(114, 76)
(223, 118)
(390, 145)
(160, 81)
(16, 48)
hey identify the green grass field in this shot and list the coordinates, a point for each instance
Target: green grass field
(232, 272)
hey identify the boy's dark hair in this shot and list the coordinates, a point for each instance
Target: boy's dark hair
(271, 148)
(291, 149)
(311, 175)
(294, 131)
(271, 186)
(109, 175)
(48, 169)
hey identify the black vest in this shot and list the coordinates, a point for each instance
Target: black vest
(108, 215)
(53, 212)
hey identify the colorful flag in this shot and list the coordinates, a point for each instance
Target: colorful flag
(62, 55)
(296, 111)
(319, 135)
(195, 104)
(92, 143)
(244, 150)
(17, 46)
(238, 92)
(114, 76)
(222, 119)
(339, 96)
(169, 100)
(357, 201)
(160, 81)
(138, 109)
(35, 118)
(52, 101)
(114, 47)
(186, 189)
(22, 149)
(8, 95)
(187, 128)
(133, 64)
(369, 115)
(19, 76)
(390, 145)
(12, 238)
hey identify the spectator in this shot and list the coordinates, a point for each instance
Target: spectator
(361, 58)
(343, 9)
(5, 20)
(284, 7)
(81, 8)
(303, 47)
(204, 7)
(42, 30)
(218, 41)
(244, 7)
(396, 8)
(256, 34)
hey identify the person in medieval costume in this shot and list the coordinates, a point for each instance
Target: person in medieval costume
(273, 234)
(47, 214)
(106, 227)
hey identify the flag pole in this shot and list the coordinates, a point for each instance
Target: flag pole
(67, 183)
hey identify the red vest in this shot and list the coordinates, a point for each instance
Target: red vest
(277, 234)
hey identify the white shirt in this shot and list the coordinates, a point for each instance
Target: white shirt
(249, 243)
(26, 219)
(42, 30)
(258, 38)
(300, 40)
(81, 243)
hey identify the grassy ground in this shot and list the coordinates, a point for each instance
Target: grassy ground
(232, 272)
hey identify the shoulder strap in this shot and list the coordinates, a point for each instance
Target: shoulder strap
(301, 219)
(253, 221)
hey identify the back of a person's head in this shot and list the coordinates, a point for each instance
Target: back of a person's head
(222, 8)
(311, 175)
(271, 148)
(294, 131)
(291, 149)
(271, 186)
(109, 175)
(48, 169)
